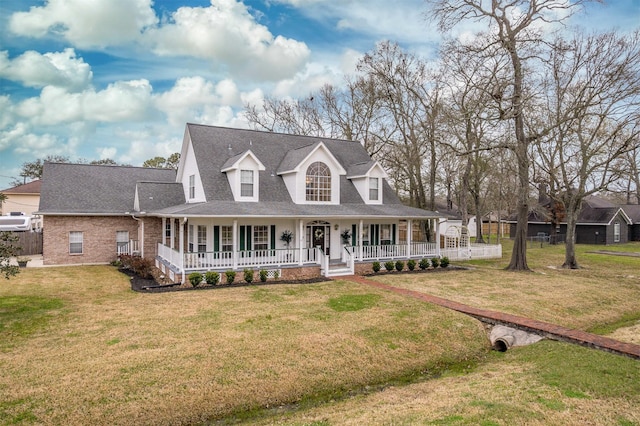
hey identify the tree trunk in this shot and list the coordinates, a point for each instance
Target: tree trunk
(519, 253)
(570, 260)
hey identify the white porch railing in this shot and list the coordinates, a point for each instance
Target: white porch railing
(130, 248)
(297, 256)
(396, 251)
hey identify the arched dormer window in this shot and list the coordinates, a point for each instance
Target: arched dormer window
(318, 182)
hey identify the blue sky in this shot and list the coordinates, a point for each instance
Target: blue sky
(120, 78)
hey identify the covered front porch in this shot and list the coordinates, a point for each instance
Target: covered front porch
(332, 244)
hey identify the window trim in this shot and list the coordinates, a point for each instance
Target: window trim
(260, 237)
(202, 238)
(616, 232)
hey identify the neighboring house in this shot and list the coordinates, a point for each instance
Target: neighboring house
(22, 198)
(235, 197)
(633, 211)
(599, 222)
(21, 202)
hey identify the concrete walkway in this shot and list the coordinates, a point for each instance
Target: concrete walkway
(550, 331)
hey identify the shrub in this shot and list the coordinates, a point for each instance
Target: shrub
(399, 265)
(263, 275)
(411, 264)
(231, 276)
(424, 263)
(444, 262)
(139, 265)
(435, 262)
(276, 274)
(376, 266)
(195, 278)
(212, 277)
(389, 265)
(248, 275)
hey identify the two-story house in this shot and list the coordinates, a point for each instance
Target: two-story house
(305, 206)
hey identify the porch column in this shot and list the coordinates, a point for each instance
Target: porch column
(181, 249)
(235, 244)
(360, 231)
(164, 231)
(300, 242)
(437, 221)
(172, 243)
(409, 232)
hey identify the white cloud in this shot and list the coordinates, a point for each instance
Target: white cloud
(120, 101)
(96, 23)
(194, 99)
(33, 69)
(25, 142)
(226, 34)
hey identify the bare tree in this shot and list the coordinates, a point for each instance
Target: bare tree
(594, 99)
(516, 30)
(409, 93)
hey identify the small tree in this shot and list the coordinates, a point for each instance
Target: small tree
(7, 251)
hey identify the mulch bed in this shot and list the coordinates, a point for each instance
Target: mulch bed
(150, 285)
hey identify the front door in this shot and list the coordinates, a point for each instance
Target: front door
(319, 236)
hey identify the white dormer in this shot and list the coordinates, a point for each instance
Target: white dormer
(367, 178)
(243, 175)
(312, 175)
(188, 173)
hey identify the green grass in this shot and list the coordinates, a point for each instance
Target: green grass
(21, 316)
(353, 302)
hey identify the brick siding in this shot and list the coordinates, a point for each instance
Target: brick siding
(99, 237)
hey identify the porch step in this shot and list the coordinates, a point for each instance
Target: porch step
(338, 270)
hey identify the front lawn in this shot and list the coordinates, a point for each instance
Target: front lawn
(98, 353)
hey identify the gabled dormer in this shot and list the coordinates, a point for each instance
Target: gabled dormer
(243, 173)
(367, 178)
(312, 175)
(188, 173)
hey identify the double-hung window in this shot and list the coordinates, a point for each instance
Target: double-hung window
(122, 242)
(202, 238)
(260, 237)
(192, 187)
(246, 183)
(373, 189)
(226, 238)
(75, 242)
(616, 232)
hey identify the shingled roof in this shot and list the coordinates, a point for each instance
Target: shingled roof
(32, 187)
(81, 189)
(74, 189)
(215, 146)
